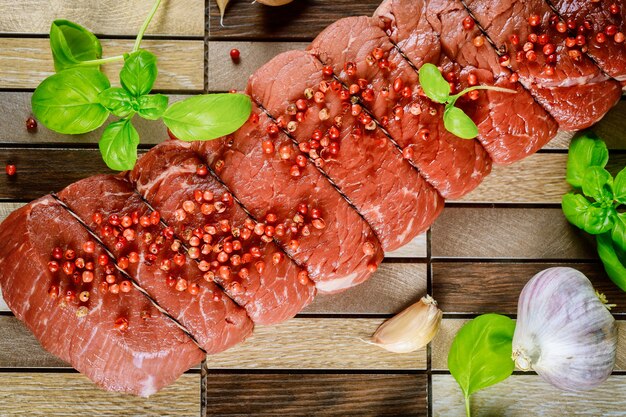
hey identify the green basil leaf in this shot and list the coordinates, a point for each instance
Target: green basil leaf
(597, 183)
(71, 44)
(207, 117)
(612, 264)
(619, 231)
(67, 102)
(152, 107)
(619, 187)
(458, 123)
(117, 101)
(480, 355)
(118, 145)
(593, 218)
(434, 85)
(139, 72)
(584, 152)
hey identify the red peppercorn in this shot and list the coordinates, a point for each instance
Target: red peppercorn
(10, 170)
(327, 70)
(610, 30)
(548, 49)
(619, 37)
(561, 27)
(534, 20)
(126, 286)
(543, 39)
(581, 40)
(614, 8)
(121, 324)
(600, 37)
(504, 60)
(31, 125)
(468, 23)
(235, 54)
(514, 38)
(398, 84)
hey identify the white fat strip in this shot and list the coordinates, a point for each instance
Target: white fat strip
(337, 284)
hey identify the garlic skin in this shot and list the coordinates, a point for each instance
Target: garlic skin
(411, 329)
(563, 331)
(274, 2)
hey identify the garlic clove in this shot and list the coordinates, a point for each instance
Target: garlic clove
(564, 332)
(274, 2)
(411, 329)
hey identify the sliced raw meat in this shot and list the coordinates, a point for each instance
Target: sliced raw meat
(604, 23)
(109, 205)
(390, 89)
(510, 126)
(253, 271)
(315, 225)
(555, 73)
(119, 340)
(395, 199)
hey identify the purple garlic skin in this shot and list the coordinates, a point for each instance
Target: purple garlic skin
(563, 331)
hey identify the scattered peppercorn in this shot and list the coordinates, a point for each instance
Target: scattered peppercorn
(235, 55)
(10, 169)
(31, 125)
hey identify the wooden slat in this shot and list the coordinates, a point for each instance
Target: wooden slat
(300, 20)
(414, 249)
(392, 288)
(316, 395)
(471, 287)
(449, 328)
(517, 233)
(15, 108)
(301, 343)
(120, 17)
(528, 395)
(62, 394)
(315, 343)
(25, 62)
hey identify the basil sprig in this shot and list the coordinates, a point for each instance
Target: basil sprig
(594, 204)
(79, 97)
(437, 89)
(480, 355)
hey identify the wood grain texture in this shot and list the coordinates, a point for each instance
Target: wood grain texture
(16, 109)
(316, 395)
(224, 74)
(25, 62)
(516, 233)
(449, 328)
(392, 288)
(300, 20)
(315, 343)
(20, 349)
(528, 395)
(121, 17)
(476, 288)
(63, 394)
(417, 248)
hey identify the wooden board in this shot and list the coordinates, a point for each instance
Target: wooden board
(316, 394)
(528, 395)
(52, 394)
(25, 62)
(122, 17)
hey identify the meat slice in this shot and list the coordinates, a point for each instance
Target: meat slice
(311, 220)
(360, 51)
(510, 126)
(394, 198)
(148, 251)
(118, 340)
(253, 271)
(560, 78)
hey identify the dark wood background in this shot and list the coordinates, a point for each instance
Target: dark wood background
(475, 259)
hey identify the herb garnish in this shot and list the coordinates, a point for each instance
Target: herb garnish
(480, 355)
(79, 97)
(594, 206)
(437, 89)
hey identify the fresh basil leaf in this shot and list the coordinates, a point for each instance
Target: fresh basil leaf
(67, 102)
(207, 117)
(593, 218)
(139, 72)
(117, 101)
(619, 187)
(458, 123)
(434, 85)
(118, 145)
(584, 152)
(152, 107)
(619, 231)
(612, 263)
(71, 44)
(597, 183)
(480, 355)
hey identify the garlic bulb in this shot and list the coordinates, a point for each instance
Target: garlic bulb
(274, 2)
(563, 331)
(410, 329)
